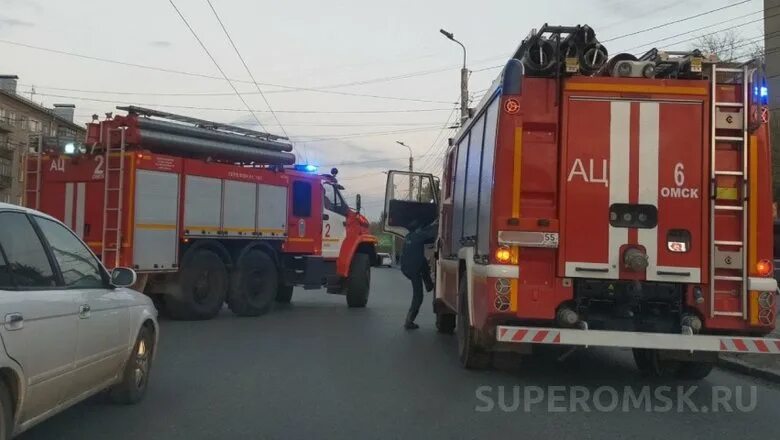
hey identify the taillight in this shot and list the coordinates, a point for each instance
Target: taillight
(764, 268)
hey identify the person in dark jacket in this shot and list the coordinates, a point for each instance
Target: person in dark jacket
(415, 267)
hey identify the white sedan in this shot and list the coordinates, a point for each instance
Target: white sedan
(69, 329)
(384, 259)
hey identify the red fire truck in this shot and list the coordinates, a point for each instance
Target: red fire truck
(205, 212)
(621, 202)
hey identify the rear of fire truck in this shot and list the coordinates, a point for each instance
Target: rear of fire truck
(597, 201)
(206, 213)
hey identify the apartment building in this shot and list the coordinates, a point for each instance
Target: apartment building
(22, 123)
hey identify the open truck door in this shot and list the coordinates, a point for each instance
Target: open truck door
(411, 200)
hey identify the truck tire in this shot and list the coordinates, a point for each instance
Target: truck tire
(650, 363)
(284, 294)
(359, 281)
(694, 370)
(135, 378)
(471, 356)
(254, 284)
(6, 413)
(203, 287)
(445, 323)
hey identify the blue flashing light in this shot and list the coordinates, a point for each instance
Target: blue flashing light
(306, 167)
(764, 92)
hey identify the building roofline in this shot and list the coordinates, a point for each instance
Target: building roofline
(42, 109)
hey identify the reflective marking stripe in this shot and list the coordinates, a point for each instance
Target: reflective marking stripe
(649, 123)
(538, 336)
(619, 143)
(155, 226)
(636, 88)
(752, 249)
(68, 220)
(516, 176)
(81, 189)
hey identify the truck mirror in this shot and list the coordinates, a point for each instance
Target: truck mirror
(357, 203)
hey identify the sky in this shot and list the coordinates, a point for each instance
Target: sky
(373, 72)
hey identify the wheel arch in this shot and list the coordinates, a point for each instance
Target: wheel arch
(12, 379)
(365, 244)
(212, 245)
(260, 246)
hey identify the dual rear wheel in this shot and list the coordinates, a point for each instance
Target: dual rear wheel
(205, 284)
(650, 363)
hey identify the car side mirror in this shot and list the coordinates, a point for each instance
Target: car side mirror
(123, 277)
(358, 203)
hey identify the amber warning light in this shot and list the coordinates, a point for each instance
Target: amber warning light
(764, 268)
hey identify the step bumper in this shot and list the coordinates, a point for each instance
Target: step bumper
(657, 341)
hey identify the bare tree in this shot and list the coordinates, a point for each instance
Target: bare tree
(730, 46)
(724, 44)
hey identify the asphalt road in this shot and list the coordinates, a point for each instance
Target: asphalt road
(316, 369)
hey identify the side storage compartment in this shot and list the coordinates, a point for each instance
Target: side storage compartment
(202, 213)
(155, 235)
(271, 211)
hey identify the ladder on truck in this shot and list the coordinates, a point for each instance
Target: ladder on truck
(728, 257)
(33, 176)
(114, 174)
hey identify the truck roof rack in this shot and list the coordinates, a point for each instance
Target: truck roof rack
(202, 123)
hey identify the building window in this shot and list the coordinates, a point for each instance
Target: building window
(35, 126)
(5, 168)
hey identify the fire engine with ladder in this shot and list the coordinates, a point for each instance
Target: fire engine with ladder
(597, 201)
(206, 213)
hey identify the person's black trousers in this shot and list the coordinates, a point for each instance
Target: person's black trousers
(423, 276)
(417, 295)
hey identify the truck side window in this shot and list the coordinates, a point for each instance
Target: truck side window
(332, 199)
(301, 199)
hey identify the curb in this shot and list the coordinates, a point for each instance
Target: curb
(743, 367)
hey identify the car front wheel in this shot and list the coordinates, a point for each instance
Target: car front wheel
(135, 377)
(6, 413)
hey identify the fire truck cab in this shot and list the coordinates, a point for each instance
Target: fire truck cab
(206, 213)
(596, 201)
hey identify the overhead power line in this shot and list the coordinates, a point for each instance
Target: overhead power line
(204, 76)
(227, 109)
(669, 23)
(249, 72)
(216, 64)
(731, 20)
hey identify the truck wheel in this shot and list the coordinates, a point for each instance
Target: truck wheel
(203, 284)
(650, 363)
(284, 293)
(359, 281)
(471, 356)
(135, 378)
(6, 413)
(694, 370)
(254, 284)
(445, 323)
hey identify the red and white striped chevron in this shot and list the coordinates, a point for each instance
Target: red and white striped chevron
(659, 341)
(750, 345)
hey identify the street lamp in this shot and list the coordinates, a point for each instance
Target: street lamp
(411, 166)
(464, 80)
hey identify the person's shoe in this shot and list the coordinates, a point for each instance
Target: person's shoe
(409, 325)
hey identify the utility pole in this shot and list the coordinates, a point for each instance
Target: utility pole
(464, 80)
(411, 166)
